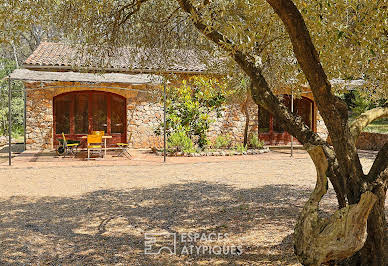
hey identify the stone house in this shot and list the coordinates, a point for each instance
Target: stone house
(66, 96)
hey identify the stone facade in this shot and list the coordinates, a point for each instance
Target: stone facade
(232, 122)
(321, 128)
(39, 120)
(144, 114)
(144, 117)
(371, 141)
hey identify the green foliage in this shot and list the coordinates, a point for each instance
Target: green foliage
(361, 104)
(222, 142)
(378, 126)
(17, 103)
(350, 38)
(240, 147)
(255, 142)
(189, 105)
(180, 142)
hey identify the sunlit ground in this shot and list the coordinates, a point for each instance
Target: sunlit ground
(99, 215)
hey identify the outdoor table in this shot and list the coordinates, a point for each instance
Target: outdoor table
(104, 138)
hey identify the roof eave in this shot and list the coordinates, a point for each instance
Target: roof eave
(116, 70)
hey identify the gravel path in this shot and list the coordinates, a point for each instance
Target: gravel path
(90, 214)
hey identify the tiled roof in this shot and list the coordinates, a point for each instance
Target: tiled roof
(50, 55)
(69, 76)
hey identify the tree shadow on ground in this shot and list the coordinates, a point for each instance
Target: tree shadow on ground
(107, 227)
(15, 148)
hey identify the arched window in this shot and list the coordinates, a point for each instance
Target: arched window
(79, 113)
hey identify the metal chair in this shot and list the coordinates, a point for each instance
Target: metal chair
(94, 143)
(67, 147)
(124, 148)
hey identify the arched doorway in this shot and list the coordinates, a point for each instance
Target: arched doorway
(79, 113)
(271, 130)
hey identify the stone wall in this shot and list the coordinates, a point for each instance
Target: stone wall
(144, 114)
(366, 140)
(144, 117)
(321, 128)
(371, 141)
(39, 120)
(3, 140)
(232, 123)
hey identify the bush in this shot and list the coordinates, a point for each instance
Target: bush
(180, 142)
(222, 142)
(188, 106)
(255, 142)
(240, 147)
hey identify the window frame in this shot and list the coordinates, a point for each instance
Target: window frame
(89, 94)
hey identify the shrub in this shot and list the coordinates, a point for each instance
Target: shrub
(222, 142)
(240, 147)
(189, 105)
(255, 142)
(179, 141)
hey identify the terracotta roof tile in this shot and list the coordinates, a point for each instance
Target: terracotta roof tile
(52, 55)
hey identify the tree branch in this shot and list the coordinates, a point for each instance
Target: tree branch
(379, 165)
(365, 119)
(121, 16)
(262, 93)
(304, 48)
(333, 110)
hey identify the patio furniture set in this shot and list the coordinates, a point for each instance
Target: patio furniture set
(95, 144)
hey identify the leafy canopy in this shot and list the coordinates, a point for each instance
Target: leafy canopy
(350, 35)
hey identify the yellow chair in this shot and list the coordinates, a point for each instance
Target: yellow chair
(101, 133)
(94, 143)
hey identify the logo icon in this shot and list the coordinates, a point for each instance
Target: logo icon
(154, 243)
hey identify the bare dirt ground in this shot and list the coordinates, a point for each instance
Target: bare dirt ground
(92, 213)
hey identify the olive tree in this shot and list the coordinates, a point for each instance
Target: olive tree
(359, 224)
